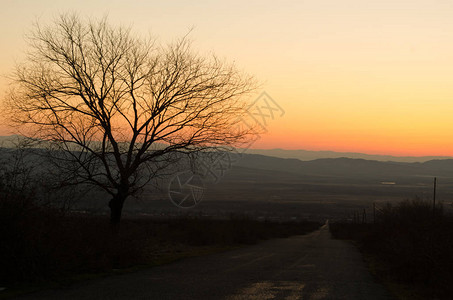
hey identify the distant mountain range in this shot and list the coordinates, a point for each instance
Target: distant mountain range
(311, 155)
(351, 167)
(304, 155)
(251, 171)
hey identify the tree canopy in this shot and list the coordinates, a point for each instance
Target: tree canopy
(116, 104)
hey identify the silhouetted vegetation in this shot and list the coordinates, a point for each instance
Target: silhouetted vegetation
(409, 244)
(119, 108)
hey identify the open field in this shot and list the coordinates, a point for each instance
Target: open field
(270, 194)
(275, 188)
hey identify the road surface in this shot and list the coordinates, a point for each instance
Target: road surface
(312, 266)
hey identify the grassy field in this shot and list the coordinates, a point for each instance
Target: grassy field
(279, 196)
(409, 248)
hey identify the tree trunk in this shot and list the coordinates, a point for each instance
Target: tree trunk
(116, 208)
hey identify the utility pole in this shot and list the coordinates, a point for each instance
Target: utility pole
(374, 212)
(434, 196)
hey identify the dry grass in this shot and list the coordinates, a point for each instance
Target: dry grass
(409, 248)
(42, 244)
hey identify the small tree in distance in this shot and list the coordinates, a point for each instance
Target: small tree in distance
(116, 106)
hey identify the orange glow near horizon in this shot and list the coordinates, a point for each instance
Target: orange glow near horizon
(352, 76)
(383, 146)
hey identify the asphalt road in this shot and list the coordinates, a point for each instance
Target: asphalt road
(313, 266)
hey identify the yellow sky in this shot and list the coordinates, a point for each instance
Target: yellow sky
(351, 75)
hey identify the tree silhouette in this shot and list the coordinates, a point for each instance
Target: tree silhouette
(114, 106)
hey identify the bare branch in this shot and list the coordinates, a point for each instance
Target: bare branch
(108, 100)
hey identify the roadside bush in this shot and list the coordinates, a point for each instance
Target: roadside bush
(414, 243)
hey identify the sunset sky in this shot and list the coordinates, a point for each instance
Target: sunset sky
(352, 75)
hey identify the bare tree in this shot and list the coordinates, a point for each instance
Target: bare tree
(114, 106)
